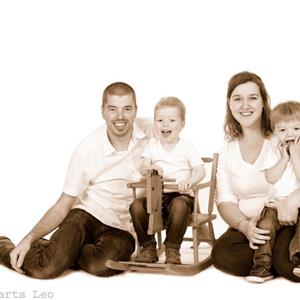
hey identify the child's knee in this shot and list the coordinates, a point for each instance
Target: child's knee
(179, 204)
(137, 206)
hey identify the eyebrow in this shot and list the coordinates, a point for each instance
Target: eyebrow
(114, 106)
(239, 95)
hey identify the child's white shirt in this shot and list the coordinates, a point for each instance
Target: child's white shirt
(176, 164)
(288, 182)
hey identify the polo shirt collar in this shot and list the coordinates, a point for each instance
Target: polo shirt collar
(137, 134)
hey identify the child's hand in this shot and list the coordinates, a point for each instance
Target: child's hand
(284, 150)
(155, 167)
(294, 148)
(184, 185)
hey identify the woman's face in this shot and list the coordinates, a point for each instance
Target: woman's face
(246, 105)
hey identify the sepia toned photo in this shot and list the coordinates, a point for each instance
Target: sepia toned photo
(150, 149)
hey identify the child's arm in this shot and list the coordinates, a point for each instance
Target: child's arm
(197, 175)
(274, 173)
(147, 166)
(295, 157)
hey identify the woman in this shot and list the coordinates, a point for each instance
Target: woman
(241, 186)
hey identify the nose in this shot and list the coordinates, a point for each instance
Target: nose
(165, 122)
(290, 133)
(245, 104)
(120, 114)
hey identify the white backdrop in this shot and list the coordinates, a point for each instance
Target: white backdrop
(56, 57)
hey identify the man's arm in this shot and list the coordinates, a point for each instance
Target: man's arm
(51, 220)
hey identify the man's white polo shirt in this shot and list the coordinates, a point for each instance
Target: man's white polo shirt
(98, 175)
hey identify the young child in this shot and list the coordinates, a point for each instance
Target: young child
(283, 171)
(175, 158)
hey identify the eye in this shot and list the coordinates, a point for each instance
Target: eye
(253, 98)
(281, 130)
(173, 120)
(129, 108)
(112, 109)
(159, 120)
(297, 128)
(236, 99)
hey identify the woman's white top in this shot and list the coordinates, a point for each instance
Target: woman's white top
(241, 182)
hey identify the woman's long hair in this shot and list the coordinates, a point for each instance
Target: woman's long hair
(232, 127)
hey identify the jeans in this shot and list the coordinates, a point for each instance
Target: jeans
(176, 209)
(270, 222)
(294, 247)
(81, 241)
(232, 254)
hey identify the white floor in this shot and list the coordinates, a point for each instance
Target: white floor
(80, 285)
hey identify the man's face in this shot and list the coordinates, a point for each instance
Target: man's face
(119, 112)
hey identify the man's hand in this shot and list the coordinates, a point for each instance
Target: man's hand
(17, 256)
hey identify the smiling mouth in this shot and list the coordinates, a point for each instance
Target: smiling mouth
(166, 133)
(119, 124)
(289, 140)
(246, 113)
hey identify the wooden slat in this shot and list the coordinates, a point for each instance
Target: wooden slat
(198, 218)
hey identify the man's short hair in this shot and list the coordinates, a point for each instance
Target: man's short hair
(171, 102)
(119, 89)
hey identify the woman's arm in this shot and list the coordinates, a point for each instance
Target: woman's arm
(232, 215)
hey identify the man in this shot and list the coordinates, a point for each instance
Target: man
(92, 213)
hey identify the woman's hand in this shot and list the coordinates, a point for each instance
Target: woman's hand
(255, 235)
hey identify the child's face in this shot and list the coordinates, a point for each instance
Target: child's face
(287, 131)
(168, 124)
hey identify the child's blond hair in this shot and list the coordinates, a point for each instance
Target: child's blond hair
(285, 112)
(171, 102)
